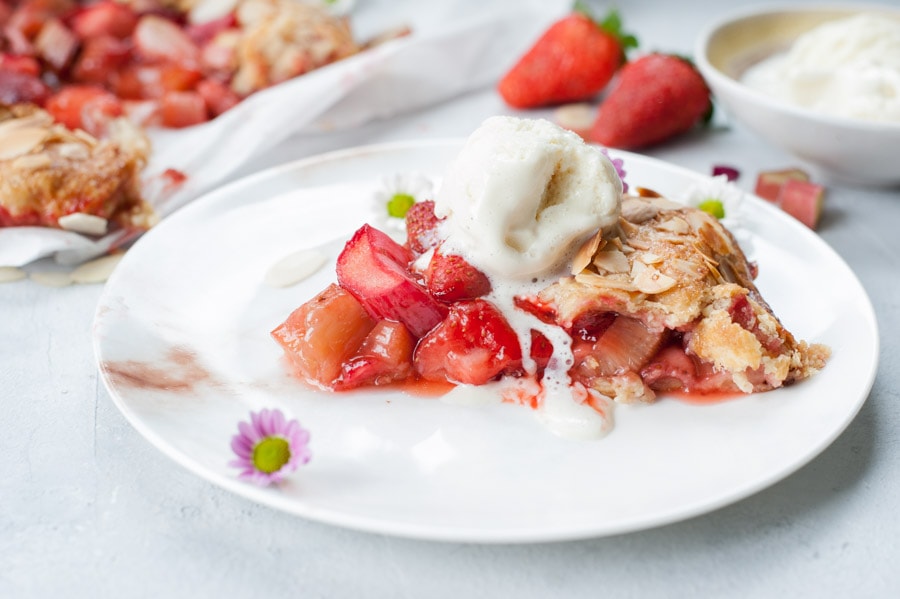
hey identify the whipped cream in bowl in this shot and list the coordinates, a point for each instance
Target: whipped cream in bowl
(849, 67)
(821, 83)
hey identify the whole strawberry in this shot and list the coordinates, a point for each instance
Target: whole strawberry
(573, 60)
(657, 96)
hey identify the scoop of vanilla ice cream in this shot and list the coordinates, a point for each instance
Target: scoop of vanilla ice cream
(523, 195)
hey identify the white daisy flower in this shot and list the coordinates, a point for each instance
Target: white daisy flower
(395, 195)
(724, 200)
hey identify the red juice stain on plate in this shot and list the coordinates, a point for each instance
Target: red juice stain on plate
(703, 398)
(422, 388)
(179, 371)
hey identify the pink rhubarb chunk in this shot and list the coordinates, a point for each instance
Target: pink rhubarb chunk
(802, 200)
(768, 183)
(373, 268)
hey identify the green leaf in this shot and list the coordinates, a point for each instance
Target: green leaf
(612, 24)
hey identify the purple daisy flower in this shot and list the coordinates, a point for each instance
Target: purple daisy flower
(269, 447)
(620, 168)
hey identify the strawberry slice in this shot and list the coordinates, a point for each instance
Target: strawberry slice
(421, 227)
(450, 278)
(541, 350)
(373, 267)
(473, 345)
(27, 65)
(183, 109)
(218, 96)
(84, 107)
(103, 18)
(385, 356)
(322, 334)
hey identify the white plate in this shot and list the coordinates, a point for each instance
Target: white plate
(182, 340)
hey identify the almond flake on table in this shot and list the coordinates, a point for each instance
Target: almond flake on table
(10, 274)
(52, 278)
(96, 271)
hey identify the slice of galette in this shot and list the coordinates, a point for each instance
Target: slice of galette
(54, 176)
(668, 303)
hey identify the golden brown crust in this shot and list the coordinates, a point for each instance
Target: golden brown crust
(281, 39)
(678, 269)
(48, 171)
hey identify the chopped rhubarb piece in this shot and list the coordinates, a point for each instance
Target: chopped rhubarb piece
(373, 267)
(450, 278)
(802, 200)
(421, 225)
(100, 58)
(56, 44)
(16, 87)
(625, 346)
(385, 356)
(218, 96)
(322, 334)
(157, 39)
(473, 345)
(202, 33)
(768, 183)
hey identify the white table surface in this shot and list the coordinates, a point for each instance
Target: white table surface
(88, 508)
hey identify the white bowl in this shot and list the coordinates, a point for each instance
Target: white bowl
(853, 150)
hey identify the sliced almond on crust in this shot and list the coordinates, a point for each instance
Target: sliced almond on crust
(21, 141)
(32, 161)
(586, 252)
(72, 149)
(35, 120)
(649, 280)
(636, 211)
(80, 222)
(612, 261)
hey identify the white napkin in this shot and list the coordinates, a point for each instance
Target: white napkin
(455, 47)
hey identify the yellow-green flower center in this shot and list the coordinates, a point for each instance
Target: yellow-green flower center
(271, 454)
(713, 206)
(399, 204)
